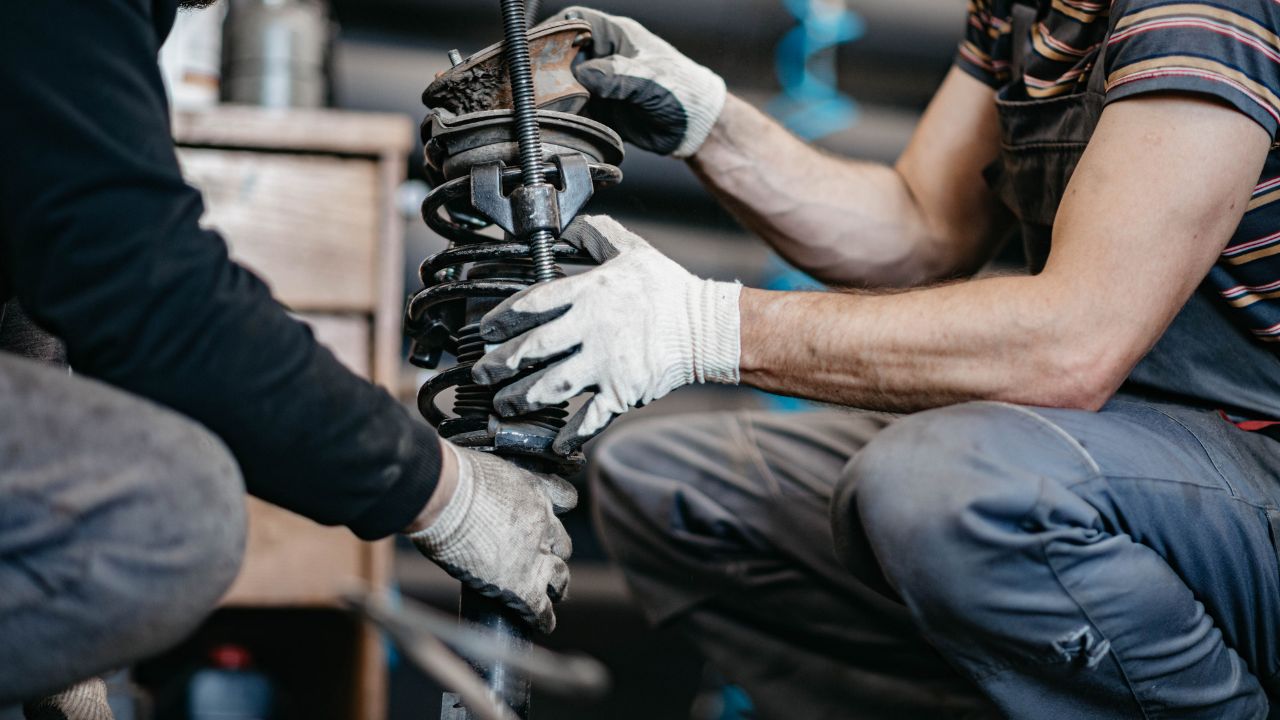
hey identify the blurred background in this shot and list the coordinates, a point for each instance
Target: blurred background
(850, 75)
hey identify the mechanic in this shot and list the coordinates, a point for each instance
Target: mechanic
(1049, 513)
(122, 486)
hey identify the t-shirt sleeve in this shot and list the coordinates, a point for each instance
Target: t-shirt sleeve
(985, 50)
(1228, 50)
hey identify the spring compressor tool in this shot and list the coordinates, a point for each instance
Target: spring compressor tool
(436, 644)
(505, 149)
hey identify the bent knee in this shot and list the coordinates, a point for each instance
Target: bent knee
(941, 490)
(123, 558)
(213, 503)
(180, 536)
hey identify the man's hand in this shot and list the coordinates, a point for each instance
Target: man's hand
(655, 97)
(634, 329)
(498, 533)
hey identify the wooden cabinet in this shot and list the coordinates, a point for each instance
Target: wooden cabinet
(306, 199)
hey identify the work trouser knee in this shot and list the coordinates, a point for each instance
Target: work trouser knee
(122, 525)
(721, 523)
(1073, 564)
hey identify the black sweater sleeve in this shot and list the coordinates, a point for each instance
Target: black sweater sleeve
(102, 246)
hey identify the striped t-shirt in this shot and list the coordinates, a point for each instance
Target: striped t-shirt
(1227, 49)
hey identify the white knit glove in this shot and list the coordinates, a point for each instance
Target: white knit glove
(499, 534)
(653, 96)
(633, 329)
(84, 701)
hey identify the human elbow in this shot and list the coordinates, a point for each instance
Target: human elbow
(1076, 375)
(1068, 364)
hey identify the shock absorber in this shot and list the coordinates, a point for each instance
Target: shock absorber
(505, 151)
(534, 195)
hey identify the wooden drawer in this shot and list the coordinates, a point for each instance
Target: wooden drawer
(291, 561)
(307, 224)
(306, 199)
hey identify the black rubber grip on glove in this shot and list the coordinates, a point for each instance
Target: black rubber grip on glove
(642, 111)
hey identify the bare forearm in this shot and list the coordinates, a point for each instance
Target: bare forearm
(991, 339)
(847, 222)
(929, 217)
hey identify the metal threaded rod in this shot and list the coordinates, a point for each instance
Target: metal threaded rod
(528, 134)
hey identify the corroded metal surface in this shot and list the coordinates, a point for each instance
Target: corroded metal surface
(481, 82)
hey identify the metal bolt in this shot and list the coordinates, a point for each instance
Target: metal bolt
(455, 58)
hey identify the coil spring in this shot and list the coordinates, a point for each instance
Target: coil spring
(474, 274)
(433, 318)
(476, 401)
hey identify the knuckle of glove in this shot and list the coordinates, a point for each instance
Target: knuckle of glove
(562, 495)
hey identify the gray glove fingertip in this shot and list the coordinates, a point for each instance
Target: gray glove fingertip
(562, 494)
(601, 77)
(505, 322)
(513, 357)
(492, 368)
(545, 620)
(561, 543)
(513, 399)
(558, 583)
(604, 33)
(571, 438)
(584, 233)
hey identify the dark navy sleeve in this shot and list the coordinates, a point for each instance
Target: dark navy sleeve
(1227, 50)
(102, 246)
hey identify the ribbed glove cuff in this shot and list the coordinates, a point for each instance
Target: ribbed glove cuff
(86, 701)
(715, 322)
(703, 95)
(445, 532)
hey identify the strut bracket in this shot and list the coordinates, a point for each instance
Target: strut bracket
(535, 208)
(531, 208)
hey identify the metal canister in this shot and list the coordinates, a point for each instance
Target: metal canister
(277, 53)
(191, 59)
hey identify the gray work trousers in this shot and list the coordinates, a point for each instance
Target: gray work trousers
(121, 525)
(974, 561)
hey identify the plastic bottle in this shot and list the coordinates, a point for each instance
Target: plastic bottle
(230, 688)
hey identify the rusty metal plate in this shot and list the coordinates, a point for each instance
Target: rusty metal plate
(481, 82)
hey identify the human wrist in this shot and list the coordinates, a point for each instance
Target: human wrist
(720, 142)
(446, 489)
(443, 532)
(759, 311)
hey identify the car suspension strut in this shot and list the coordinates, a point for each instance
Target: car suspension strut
(517, 157)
